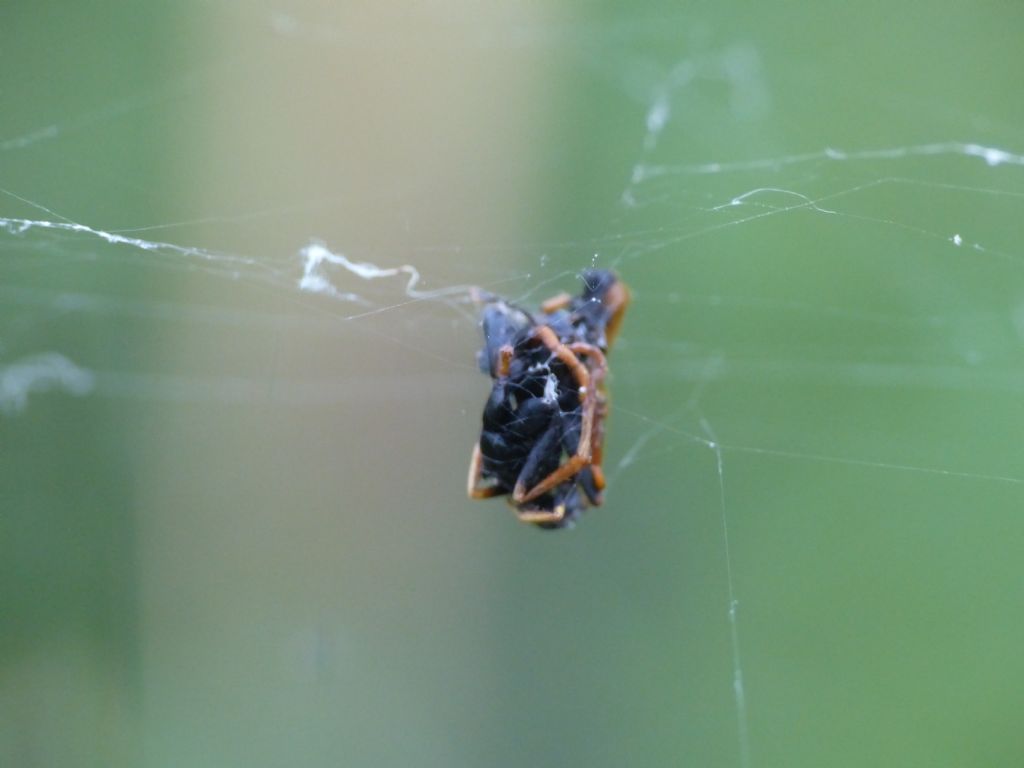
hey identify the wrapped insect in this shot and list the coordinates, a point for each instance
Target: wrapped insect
(543, 424)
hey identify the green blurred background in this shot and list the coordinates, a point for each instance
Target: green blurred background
(233, 525)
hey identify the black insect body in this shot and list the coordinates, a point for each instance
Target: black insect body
(543, 424)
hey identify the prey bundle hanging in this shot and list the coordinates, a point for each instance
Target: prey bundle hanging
(543, 425)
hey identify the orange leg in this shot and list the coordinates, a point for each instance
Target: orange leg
(616, 300)
(597, 446)
(570, 469)
(541, 516)
(555, 303)
(563, 353)
(473, 487)
(599, 366)
(504, 361)
(597, 373)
